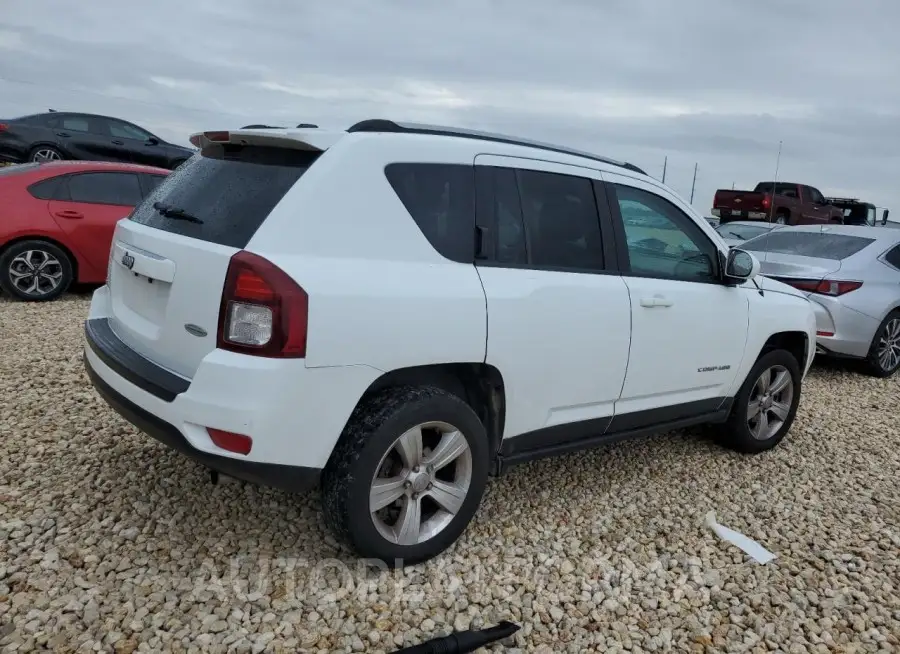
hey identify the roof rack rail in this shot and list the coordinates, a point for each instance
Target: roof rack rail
(390, 126)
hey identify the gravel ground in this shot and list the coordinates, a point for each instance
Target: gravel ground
(109, 542)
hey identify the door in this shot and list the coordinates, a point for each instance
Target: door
(79, 136)
(688, 330)
(92, 204)
(821, 211)
(135, 144)
(558, 320)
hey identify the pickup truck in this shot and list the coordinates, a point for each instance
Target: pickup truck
(784, 203)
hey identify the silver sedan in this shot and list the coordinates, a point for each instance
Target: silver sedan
(851, 274)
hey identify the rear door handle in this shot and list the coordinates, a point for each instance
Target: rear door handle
(68, 213)
(655, 301)
(117, 142)
(65, 134)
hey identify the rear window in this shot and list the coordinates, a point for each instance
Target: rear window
(809, 244)
(230, 188)
(780, 189)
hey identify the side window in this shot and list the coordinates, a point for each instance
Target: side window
(47, 189)
(562, 226)
(150, 182)
(893, 257)
(122, 130)
(663, 241)
(441, 200)
(105, 188)
(75, 124)
(817, 197)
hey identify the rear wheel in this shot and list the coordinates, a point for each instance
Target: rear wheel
(35, 271)
(765, 406)
(407, 475)
(782, 218)
(883, 359)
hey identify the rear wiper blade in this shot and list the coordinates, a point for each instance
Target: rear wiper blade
(174, 212)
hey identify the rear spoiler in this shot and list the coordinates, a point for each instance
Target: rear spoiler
(315, 140)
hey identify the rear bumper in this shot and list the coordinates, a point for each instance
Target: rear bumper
(842, 331)
(293, 414)
(729, 215)
(289, 478)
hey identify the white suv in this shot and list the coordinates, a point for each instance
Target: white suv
(395, 312)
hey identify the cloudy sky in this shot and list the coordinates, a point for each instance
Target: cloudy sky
(716, 82)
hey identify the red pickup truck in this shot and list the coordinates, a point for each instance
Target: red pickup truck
(778, 202)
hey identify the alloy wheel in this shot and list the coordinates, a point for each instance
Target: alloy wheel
(46, 154)
(770, 402)
(888, 351)
(35, 273)
(421, 483)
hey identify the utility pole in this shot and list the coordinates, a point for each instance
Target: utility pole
(775, 182)
(665, 161)
(694, 183)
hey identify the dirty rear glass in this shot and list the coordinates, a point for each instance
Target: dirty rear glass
(230, 188)
(809, 244)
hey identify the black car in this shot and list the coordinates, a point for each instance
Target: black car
(64, 135)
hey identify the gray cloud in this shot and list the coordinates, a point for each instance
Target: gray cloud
(717, 82)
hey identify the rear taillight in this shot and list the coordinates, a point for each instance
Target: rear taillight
(3, 127)
(830, 287)
(766, 201)
(716, 200)
(263, 312)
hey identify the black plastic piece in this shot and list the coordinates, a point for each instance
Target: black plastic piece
(463, 641)
(389, 126)
(295, 479)
(127, 363)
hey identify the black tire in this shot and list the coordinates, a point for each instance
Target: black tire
(736, 433)
(371, 432)
(33, 155)
(9, 265)
(782, 218)
(872, 365)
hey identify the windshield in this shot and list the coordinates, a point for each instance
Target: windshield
(742, 232)
(809, 244)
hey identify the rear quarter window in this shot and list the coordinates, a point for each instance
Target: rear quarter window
(230, 188)
(809, 244)
(441, 200)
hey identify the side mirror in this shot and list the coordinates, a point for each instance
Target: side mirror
(152, 141)
(740, 265)
(884, 217)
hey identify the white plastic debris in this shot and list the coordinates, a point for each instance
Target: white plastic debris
(753, 549)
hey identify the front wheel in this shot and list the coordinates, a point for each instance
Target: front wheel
(883, 359)
(407, 475)
(765, 406)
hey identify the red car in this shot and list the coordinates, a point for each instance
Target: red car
(57, 221)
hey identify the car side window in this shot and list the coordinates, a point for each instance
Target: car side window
(662, 240)
(75, 124)
(441, 200)
(562, 225)
(893, 257)
(815, 196)
(150, 182)
(48, 189)
(122, 130)
(105, 188)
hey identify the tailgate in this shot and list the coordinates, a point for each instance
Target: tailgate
(169, 259)
(739, 200)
